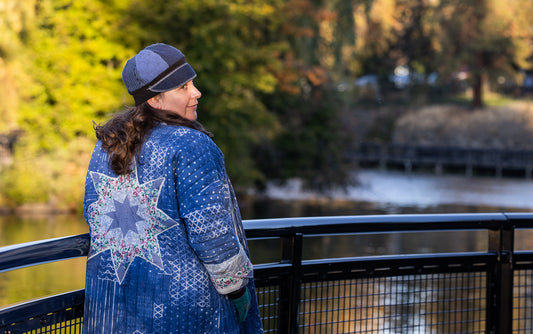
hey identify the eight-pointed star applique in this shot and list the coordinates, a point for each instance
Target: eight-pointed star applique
(126, 221)
(125, 216)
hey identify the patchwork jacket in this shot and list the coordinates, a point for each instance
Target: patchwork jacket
(167, 242)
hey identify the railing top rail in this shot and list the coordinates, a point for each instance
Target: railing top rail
(521, 219)
(43, 251)
(257, 228)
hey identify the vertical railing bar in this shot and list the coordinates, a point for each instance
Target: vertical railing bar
(284, 290)
(491, 283)
(506, 289)
(290, 302)
(500, 281)
(296, 282)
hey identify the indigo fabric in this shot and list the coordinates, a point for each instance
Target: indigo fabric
(157, 68)
(167, 242)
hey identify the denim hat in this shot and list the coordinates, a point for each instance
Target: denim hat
(155, 69)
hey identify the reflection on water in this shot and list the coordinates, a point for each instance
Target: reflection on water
(378, 193)
(394, 243)
(433, 303)
(47, 279)
(339, 246)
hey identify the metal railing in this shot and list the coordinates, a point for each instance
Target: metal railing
(489, 291)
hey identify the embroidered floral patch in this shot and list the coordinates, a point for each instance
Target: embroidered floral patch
(242, 273)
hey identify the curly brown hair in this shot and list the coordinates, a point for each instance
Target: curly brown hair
(124, 134)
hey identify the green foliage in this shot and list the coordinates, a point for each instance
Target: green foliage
(72, 77)
(15, 20)
(55, 178)
(76, 71)
(312, 144)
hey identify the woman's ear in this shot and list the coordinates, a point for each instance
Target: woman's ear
(155, 102)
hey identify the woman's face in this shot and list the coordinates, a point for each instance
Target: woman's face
(182, 101)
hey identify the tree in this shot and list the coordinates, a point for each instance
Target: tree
(486, 36)
(376, 26)
(68, 75)
(15, 21)
(311, 144)
(414, 45)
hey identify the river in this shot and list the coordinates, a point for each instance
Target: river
(399, 192)
(375, 192)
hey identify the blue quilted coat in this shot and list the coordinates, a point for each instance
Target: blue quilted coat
(167, 242)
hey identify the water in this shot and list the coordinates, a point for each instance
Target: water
(43, 280)
(394, 191)
(377, 192)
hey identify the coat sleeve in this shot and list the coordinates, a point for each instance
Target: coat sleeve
(205, 207)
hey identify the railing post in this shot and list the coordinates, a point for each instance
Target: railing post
(500, 283)
(290, 292)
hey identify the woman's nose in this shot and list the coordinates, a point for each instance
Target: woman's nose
(197, 94)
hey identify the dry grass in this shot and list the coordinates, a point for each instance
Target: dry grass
(501, 127)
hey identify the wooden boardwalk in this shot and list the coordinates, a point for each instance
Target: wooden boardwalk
(444, 159)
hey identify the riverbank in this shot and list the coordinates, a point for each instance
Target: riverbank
(34, 209)
(495, 127)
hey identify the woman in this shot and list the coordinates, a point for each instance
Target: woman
(168, 252)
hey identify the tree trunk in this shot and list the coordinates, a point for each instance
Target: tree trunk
(477, 90)
(477, 81)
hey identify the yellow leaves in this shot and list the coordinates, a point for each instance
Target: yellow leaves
(383, 13)
(59, 178)
(266, 83)
(8, 95)
(375, 28)
(15, 14)
(327, 31)
(252, 9)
